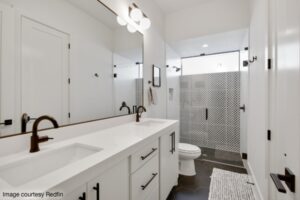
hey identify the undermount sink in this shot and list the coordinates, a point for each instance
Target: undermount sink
(150, 123)
(24, 170)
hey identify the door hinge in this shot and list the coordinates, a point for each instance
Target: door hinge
(269, 135)
(69, 115)
(269, 63)
(69, 45)
(69, 80)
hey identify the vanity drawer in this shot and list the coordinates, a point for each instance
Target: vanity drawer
(144, 182)
(143, 155)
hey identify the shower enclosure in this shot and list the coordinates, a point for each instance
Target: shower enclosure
(210, 101)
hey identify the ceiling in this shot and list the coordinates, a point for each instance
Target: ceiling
(221, 42)
(169, 6)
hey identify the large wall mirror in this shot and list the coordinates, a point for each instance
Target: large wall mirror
(69, 59)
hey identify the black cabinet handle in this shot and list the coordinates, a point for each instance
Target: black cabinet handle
(146, 185)
(173, 142)
(146, 156)
(97, 188)
(206, 113)
(7, 122)
(83, 196)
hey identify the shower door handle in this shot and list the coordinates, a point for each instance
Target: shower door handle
(206, 113)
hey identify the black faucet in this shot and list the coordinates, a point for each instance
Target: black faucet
(124, 105)
(35, 139)
(139, 114)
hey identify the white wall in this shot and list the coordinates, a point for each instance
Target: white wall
(207, 18)
(173, 84)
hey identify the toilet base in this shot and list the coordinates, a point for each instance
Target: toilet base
(187, 167)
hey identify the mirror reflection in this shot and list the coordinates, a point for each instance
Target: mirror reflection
(76, 65)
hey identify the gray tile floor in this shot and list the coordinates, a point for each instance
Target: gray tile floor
(197, 187)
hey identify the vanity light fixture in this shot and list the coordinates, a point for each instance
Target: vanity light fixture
(121, 21)
(139, 17)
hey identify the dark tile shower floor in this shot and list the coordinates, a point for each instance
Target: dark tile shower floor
(197, 187)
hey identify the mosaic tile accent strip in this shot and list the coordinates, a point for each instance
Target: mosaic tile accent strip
(220, 94)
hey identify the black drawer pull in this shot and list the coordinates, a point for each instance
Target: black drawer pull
(145, 186)
(146, 156)
(288, 178)
(97, 188)
(83, 197)
(206, 113)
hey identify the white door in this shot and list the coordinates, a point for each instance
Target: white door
(44, 71)
(285, 120)
(258, 96)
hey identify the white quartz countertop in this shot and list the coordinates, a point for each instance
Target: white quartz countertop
(116, 143)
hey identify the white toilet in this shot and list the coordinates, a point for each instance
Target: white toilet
(187, 154)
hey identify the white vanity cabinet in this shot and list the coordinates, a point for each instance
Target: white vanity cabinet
(113, 184)
(144, 176)
(148, 172)
(168, 162)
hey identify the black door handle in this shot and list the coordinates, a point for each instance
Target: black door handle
(206, 113)
(288, 178)
(83, 197)
(97, 188)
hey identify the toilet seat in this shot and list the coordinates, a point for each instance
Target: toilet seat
(188, 148)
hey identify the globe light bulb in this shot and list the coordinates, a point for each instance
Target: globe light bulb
(136, 14)
(121, 21)
(145, 23)
(131, 28)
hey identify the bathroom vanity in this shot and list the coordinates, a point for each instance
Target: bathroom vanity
(137, 161)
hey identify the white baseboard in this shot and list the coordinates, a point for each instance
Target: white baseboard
(256, 189)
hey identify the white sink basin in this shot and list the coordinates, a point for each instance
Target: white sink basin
(150, 123)
(42, 163)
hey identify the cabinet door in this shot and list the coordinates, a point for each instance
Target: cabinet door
(77, 194)
(112, 184)
(168, 163)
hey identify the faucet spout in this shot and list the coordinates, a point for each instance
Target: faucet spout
(35, 139)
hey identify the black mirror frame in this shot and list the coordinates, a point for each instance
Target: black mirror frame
(153, 77)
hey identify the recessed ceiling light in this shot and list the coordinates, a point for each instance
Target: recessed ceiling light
(205, 45)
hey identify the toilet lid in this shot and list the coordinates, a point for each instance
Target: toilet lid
(188, 148)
